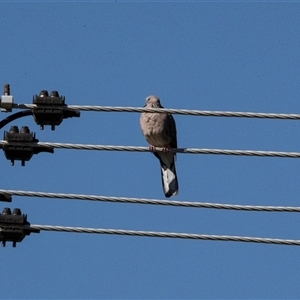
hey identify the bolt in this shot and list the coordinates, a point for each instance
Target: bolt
(14, 129)
(25, 129)
(6, 90)
(44, 93)
(16, 212)
(6, 211)
(54, 94)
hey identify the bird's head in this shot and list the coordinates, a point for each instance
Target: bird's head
(153, 102)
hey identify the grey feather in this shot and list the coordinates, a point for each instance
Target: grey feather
(160, 131)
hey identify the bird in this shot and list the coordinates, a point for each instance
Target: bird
(159, 130)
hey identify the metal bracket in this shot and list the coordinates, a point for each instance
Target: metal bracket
(21, 145)
(14, 226)
(5, 197)
(7, 100)
(51, 110)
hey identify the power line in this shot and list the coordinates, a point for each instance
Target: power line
(15, 116)
(177, 150)
(204, 113)
(168, 235)
(151, 201)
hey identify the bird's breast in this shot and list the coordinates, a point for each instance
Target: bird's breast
(154, 130)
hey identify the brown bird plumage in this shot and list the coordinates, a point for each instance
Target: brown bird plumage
(160, 131)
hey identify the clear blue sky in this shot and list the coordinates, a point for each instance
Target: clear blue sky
(238, 56)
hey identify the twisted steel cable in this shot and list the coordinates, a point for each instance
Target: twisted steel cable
(168, 235)
(151, 201)
(190, 112)
(176, 150)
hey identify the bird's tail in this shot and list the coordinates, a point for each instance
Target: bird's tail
(168, 173)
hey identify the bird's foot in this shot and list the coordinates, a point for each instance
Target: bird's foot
(165, 149)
